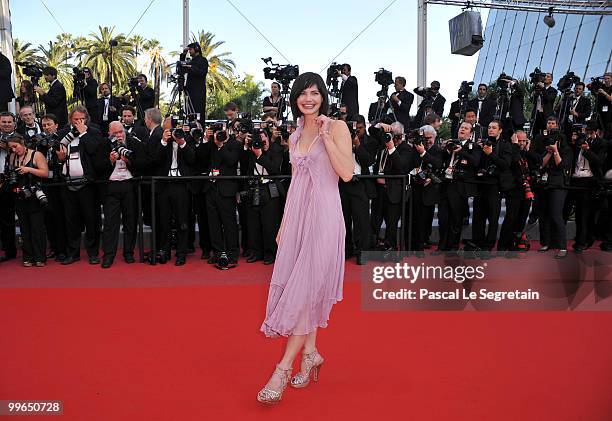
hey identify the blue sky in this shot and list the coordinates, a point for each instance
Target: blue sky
(309, 34)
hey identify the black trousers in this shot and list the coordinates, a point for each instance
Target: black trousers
(7, 223)
(222, 222)
(487, 207)
(202, 216)
(586, 209)
(451, 212)
(119, 209)
(82, 209)
(355, 208)
(523, 214)
(422, 219)
(508, 231)
(552, 224)
(263, 222)
(391, 214)
(32, 225)
(172, 201)
(55, 220)
(245, 242)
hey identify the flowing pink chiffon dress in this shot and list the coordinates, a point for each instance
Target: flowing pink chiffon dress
(309, 268)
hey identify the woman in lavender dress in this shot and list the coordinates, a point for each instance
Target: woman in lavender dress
(309, 269)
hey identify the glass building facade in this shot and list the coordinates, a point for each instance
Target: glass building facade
(516, 42)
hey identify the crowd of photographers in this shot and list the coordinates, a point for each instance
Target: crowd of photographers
(68, 173)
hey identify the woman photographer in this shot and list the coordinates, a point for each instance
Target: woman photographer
(31, 168)
(275, 102)
(556, 165)
(26, 97)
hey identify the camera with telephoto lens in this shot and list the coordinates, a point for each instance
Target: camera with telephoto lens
(284, 131)
(120, 148)
(465, 89)
(550, 137)
(10, 178)
(256, 142)
(31, 70)
(428, 172)
(596, 84)
(252, 194)
(537, 77)
(333, 71)
(47, 141)
(452, 144)
(502, 82)
(578, 130)
(416, 137)
(35, 191)
(218, 129)
(567, 81)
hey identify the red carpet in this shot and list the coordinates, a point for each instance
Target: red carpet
(194, 352)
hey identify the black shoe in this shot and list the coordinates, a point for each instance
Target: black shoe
(129, 259)
(180, 261)
(361, 260)
(60, 257)
(70, 260)
(205, 255)
(7, 257)
(162, 257)
(94, 260)
(247, 253)
(268, 261)
(579, 248)
(106, 263)
(213, 259)
(51, 255)
(253, 259)
(232, 263)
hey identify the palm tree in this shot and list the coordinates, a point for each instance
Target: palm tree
(55, 56)
(23, 53)
(67, 43)
(139, 45)
(95, 53)
(157, 64)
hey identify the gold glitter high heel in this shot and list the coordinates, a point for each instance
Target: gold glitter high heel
(313, 362)
(270, 396)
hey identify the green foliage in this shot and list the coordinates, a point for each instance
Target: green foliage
(245, 92)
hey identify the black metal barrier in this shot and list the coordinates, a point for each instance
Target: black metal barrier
(153, 180)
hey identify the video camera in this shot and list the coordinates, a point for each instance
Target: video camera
(502, 84)
(537, 77)
(78, 77)
(567, 81)
(383, 77)
(283, 73)
(333, 72)
(550, 137)
(596, 84)
(465, 89)
(33, 71)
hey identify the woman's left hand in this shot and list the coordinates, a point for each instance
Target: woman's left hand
(23, 170)
(325, 127)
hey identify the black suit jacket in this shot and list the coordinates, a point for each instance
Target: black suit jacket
(196, 84)
(186, 158)
(595, 155)
(402, 111)
(394, 164)
(583, 109)
(115, 102)
(548, 96)
(350, 96)
(94, 150)
(146, 99)
(55, 102)
(6, 88)
(517, 101)
(225, 160)
(487, 110)
(433, 160)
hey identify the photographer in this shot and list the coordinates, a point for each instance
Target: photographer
(84, 156)
(589, 155)
(350, 92)
(139, 131)
(355, 195)
(460, 160)
(400, 102)
(578, 108)
(529, 163)
(55, 220)
(393, 158)
(86, 90)
(543, 99)
(604, 105)
(221, 197)
(126, 158)
(142, 95)
(263, 196)
(377, 109)
(27, 126)
(26, 97)
(173, 157)
(195, 86)
(274, 103)
(55, 98)
(30, 167)
(6, 83)
(108, 108)
(484, 106)
(478, 132)
(425, 186)
(7, 210)
(553, 182)
(492, 177)
(433, 101)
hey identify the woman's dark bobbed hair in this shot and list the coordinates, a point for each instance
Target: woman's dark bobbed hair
(305, 81)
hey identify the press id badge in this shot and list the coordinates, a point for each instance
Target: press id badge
(214, 172)
(604, 109)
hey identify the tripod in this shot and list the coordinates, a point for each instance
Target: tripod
(335, 96)
(180, 96)
(383, 99)
(285, 100)
(562, 114)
